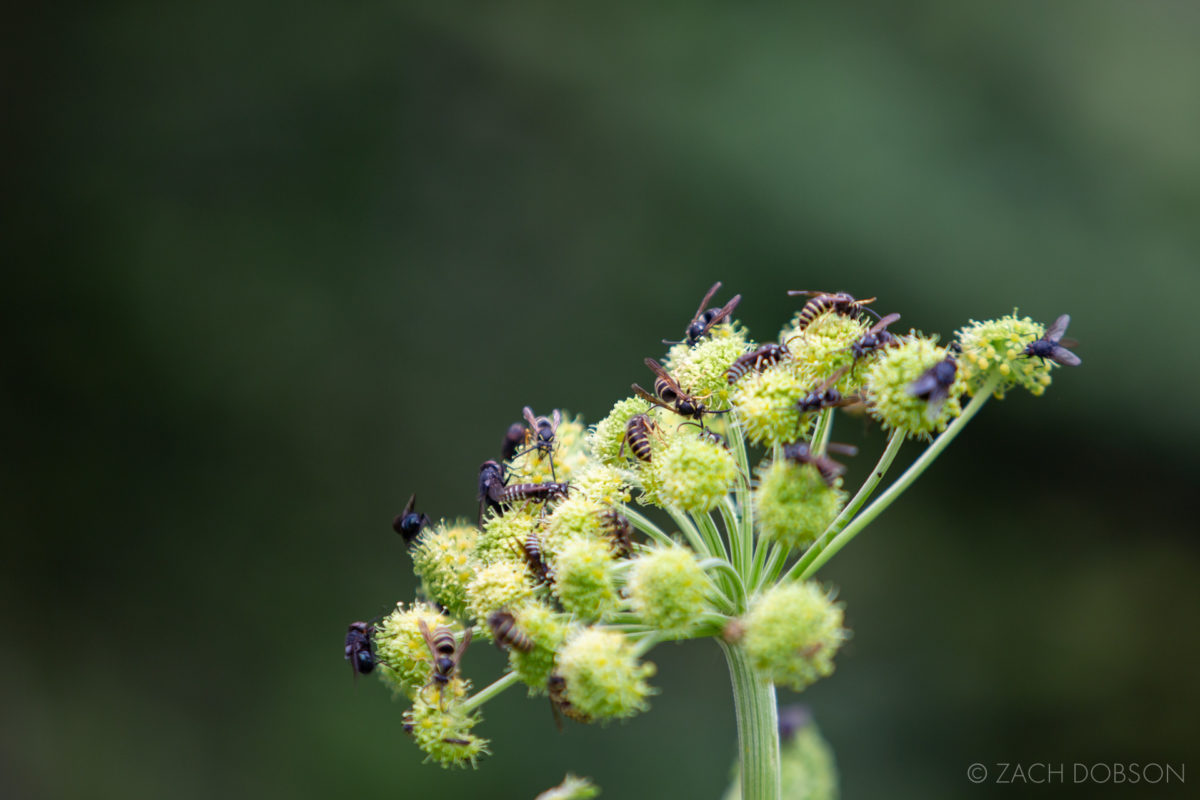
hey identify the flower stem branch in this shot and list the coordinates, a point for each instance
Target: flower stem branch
(758, 726)
(495, 688)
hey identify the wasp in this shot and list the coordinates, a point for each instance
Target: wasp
(1052, 345)
(704, 320)
(837, 302)
(543, 429)
(670, 396)
(825, 396)
(506, 633)
(535, 559)
(409, 523)
(620, 529)
(360, 648)
(556, 687)
(934, 384)
(637, 436)
(755, 361)
(877, 338)
(495, 494)
(446, 652)
(829, 470)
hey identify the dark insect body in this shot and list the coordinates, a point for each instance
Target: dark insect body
(360, 648)
(620, 531)
(825, 396)
(535, 559)
(934, 384)
(1052, 346)
(829, 470)
(837, 302)
(556, 687)
(792, 720)
(877, 338)
(446, 651)
(704, 320)
(514, 440)
(755, 361)
(409, 523)
(495, 494)
(506, 633)
(637, 436)
(670, 396)
(543, 430)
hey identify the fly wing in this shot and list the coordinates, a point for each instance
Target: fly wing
(1065, 357)
(704, 302)
(1057, 328)
(723, 314)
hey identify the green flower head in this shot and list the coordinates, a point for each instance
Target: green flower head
(792, 633)
(893, 383)
(794, 504)
(604, 678)
(997, 346)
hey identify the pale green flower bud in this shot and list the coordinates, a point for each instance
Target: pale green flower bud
(888, 387)
(403, 653)
(700, 369)
(997, 346)
(577, 517)
(668, 589)
(584, 578)
(765, 403)
(692, 473)
(604, 679)
(443, 558)
(444, 732)
(504, 584)
(606, 438)
(792, 633)
(793, 505)
(546, 629)
(572, 788)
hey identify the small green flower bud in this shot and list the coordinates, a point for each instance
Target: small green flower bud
(668, 589)
(608, 435)
(888, 388)
(444, 732)
(443, 560)
(405, 660)
(823, 347)
(604, 678)
(700, 369)
(547, 629)
(692, 474)
(792, 633)
(793, 504)
(503, 536)
(602, 484)
(765, 403)
(584, 578)
(572, 788)
(998, 346)
(577, 517)
(504, 584)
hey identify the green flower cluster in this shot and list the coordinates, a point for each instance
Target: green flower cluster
(739, 499)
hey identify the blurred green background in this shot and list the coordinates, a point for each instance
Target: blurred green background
(274, 268)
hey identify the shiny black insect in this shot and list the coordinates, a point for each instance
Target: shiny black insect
(619, 530)
(934, 384)
(704, 320)
(637, 436)
(825, 396)
(837, 302)
(495, 494)
(446, 651)
(513, 441)
(801, 453)
(556, 687)
(506, 633)
(755, 361)
(409, 523)
(1052, 346)
(670, 396)
(360, 648)
(877, 338)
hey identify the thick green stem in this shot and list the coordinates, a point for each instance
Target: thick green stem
(758, 726)
(904, 481)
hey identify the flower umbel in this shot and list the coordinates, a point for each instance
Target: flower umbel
(578, 583)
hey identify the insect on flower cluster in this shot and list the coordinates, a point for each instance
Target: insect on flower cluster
(699, 508)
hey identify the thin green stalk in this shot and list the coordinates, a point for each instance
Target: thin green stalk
(904, 481)
(485, 694)
(864, 493)
(647, 527)
(820, 439)
(708, 528)
(758, 726)
(689, 531)
(735, 580)
(738, 555)
(745, 530)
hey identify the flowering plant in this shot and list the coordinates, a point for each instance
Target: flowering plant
(567, 569)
